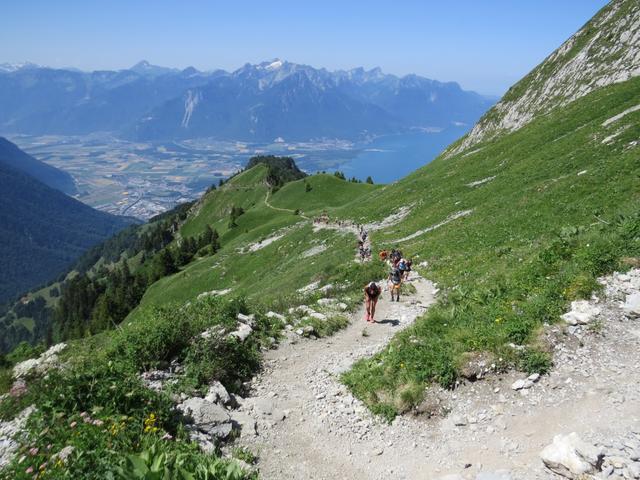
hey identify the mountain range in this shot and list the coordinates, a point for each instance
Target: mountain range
(254, 103)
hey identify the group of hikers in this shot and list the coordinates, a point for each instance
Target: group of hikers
(400, 267)
(399, 272)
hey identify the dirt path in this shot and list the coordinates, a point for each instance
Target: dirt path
(287, 210)
(310, 427)
(301, 382)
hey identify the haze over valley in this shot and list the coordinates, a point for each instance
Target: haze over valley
(140, 140)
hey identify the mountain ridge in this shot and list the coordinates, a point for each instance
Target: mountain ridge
(13, 157)
(257, 102)
(588, 60)
(42, 229)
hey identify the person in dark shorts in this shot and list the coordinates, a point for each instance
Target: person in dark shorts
(371, 295)
(395, 282)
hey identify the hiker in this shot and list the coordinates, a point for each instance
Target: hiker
(395, 282)
(371, 294)
(396, 255)
(402, 266)
(409, 263)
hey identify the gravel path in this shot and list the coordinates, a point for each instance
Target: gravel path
(310, 427)
(300, 382)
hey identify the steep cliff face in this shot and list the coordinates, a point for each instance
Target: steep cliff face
(605, 51)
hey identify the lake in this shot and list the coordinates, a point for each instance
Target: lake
(392, 157)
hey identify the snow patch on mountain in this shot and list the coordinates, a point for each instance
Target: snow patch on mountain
(274, 65)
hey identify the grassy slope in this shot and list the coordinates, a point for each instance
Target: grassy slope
(244, 190)
(552, 174)
(327, 191)
(277, 269)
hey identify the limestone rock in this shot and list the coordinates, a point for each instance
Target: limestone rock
(276, 316)
(207, 417)
(247, 319)
(326, 301)
(213, 332)
(522, 384)
(582, 312)
(47, 360)
(246, 423)
(571, 457)
(631, 305)
(242, 332)
(218, 394)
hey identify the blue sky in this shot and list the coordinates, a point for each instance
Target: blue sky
(485, 45)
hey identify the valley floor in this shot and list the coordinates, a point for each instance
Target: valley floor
(310, 427)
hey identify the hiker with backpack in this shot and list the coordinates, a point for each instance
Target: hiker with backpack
(407, 271)
(371, 294)
(402, 266)
(395, 282)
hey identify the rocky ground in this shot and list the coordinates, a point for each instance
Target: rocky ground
(580, 421)
(304, 424)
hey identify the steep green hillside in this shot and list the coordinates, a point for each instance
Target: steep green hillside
(13, 157)
(511, 231)
(42, 231)
(326, 191)
(540, 213)
(605, 51)
(244, 190)
(275, 269)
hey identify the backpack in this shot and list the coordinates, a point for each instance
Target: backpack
(395, 275)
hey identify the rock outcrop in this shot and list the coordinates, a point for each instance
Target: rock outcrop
(605, 51)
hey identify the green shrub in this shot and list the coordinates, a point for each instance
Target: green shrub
(534, 361)
(25, 351)
(161, 463)
(227, 360)
(6, 380)
(161, 334)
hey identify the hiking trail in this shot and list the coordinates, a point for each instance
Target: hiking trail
(278, 209)
(299, 392)
(308, 425)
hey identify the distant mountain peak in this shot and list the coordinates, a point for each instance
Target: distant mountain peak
(142, 64)
(13, 67)
(143, 67)
(275, 64)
